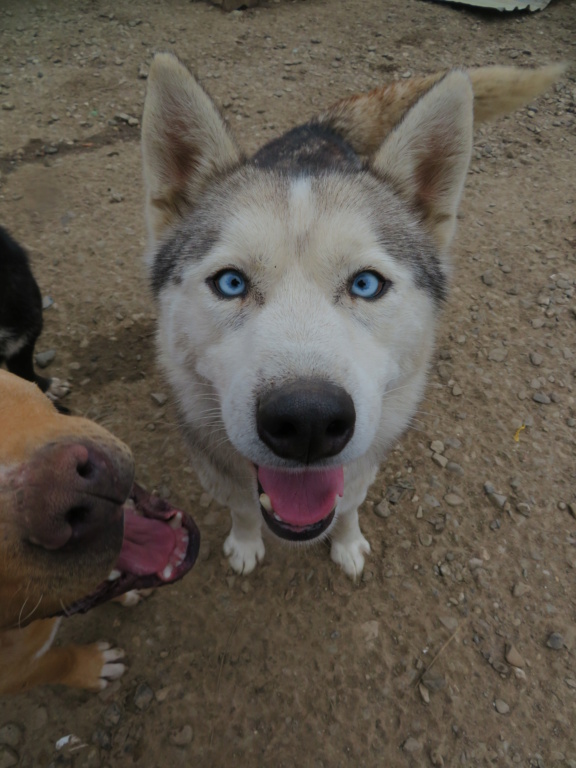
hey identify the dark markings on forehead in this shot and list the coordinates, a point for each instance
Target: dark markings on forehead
(424, 263)
(185, 244)
(311, 147)
(403, 237)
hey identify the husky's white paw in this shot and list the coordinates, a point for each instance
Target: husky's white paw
(111, 670)
(57, 389)
(349, 555)
(243, 556)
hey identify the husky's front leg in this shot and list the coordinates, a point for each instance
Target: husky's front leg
(244, 547)
(348, 544)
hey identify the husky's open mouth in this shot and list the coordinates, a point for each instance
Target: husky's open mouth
(299, 505)
(160, 546)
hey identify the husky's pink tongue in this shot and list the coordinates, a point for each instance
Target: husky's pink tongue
(302, 498)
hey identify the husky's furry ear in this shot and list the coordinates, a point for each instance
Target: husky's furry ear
(185, 142)
(426, 156)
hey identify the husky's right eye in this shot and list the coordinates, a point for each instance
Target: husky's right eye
(229, 283)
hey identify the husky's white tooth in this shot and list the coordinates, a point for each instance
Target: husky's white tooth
(168, 571)
(113, 575)
(176, 521)
(266, 503)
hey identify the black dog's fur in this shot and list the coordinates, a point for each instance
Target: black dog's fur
(20, 311)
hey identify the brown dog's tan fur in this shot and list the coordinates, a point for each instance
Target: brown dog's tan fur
(34, 586)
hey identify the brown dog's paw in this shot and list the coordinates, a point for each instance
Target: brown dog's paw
(111, 669)
(133, 597)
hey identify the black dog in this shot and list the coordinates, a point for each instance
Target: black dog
(21, 316)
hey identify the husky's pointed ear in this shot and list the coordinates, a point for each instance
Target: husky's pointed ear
(426, 156)
(184, 142)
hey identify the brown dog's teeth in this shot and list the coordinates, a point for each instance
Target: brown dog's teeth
(266, 503)
(113, 575)
(176, 521)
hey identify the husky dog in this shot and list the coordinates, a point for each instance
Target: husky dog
(298, 289)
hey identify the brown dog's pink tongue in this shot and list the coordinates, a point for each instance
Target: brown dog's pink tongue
(147, 547)
(302, 498)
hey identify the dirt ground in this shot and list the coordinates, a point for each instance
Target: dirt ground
(459, 645)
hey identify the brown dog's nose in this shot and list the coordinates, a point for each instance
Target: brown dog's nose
(72, 493)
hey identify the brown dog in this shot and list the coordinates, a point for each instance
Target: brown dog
(74, 533)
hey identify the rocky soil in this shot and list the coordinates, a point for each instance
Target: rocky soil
(458, 647)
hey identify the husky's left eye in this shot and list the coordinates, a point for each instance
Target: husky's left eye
(230, 284)
(368, 285)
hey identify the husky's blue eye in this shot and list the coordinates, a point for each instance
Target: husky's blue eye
(368, 285)
(230, 284)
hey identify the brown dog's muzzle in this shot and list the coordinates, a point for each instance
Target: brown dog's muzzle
(71, 494)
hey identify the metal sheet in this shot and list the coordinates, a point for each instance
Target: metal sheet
(504, 5)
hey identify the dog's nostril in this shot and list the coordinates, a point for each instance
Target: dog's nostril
(85, 470)
(284, 430)
(336, 428)
(77, 516)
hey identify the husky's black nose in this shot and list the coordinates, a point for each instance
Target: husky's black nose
(306, 420)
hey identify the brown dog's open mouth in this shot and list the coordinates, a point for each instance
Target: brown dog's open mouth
(160, 546)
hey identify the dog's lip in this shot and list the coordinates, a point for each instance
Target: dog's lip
(152, 508)
(295, 532)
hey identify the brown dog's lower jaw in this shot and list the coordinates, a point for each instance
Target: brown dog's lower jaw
(140, 507)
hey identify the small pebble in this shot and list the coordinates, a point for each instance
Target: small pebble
(542, 398)
(43, 359)
(501, 707)
(159, 398)
(520, 589)
(453, 500)
(143, 696)
(513, 657)
(523, 508)
(382, 509)
(11, 734)
(434, 682)
(498, 355)
(555, 641)
(8, 757)
(425, 539)
(437, 446)
(437, 458)
(536, 359)
(436, 759)
(412, 745)
(181, 737)
(450, 622)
